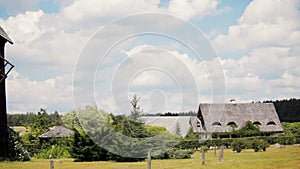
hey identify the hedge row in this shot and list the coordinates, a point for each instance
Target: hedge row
(227, 142)
(175, 154)
(256, 144)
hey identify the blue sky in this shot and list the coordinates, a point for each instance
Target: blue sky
(256, 43)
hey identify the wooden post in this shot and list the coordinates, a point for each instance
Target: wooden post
(203, 156)
(51, 164)
(221, 153)
(215, 150)
(149, 159)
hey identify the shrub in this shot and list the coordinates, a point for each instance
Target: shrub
(56, 151)
(205, 148)
(174, 154)
(264, 145)
(286, 140)
(182, 154)
(83, 148)
(16, 150)
(258, 145)
(155, 130)
(238, 145)
(188, 144)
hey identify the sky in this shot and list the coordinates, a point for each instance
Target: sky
(173, 54)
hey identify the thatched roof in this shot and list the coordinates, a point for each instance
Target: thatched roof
(220, 117)
(171, 123)
(58, 132)
(4, 35)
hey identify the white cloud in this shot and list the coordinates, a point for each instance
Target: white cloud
(188, 9)
(25, 27)
(38, 43)
(268, 35)
(267, 73)
(178, 81)
(263, 23)
(87, 12)
(25, 95)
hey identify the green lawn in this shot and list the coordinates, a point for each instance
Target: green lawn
(288, 157)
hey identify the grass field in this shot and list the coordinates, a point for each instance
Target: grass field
(288, 157)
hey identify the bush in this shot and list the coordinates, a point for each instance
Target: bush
(188, 144)
(238, 145)
(174, 154)
(83, 148)
(264, 145)
(182, 154)
(205, 148)
(16, 150)
(258, 145)
(56, 151)
(286, 140)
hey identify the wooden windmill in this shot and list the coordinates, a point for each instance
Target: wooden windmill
(5, 68)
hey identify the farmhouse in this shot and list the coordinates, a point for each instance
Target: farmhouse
(220, 118)
(223, 117)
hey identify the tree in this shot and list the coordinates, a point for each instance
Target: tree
(84, 149)
(248, 130)
(16, 150)
(136, 111)
(55, 119)
(71, 121)
(238, 145)
(122, 138)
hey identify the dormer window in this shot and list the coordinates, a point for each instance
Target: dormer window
(271, 123)
(256, 123)
(216, 124)
(232, 124)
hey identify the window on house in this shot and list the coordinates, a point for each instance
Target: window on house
(198, 124)
(232, 124)
(256, 123)
(271, 123)
(216, 124)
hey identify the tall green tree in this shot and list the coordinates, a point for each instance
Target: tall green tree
(71, 121)
(41, 122)
(85, 149)
(136, 111)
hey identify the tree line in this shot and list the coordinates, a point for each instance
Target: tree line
(288, 110)
(29, 118)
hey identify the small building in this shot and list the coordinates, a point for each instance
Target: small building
(174, 124)
(222, 117)
(57, 132)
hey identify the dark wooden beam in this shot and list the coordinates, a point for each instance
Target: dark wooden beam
(3, 113)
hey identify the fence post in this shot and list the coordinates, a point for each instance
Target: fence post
(221, 153)
(149, 159)
(215, 150)
(203, 156)
(51, 164)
